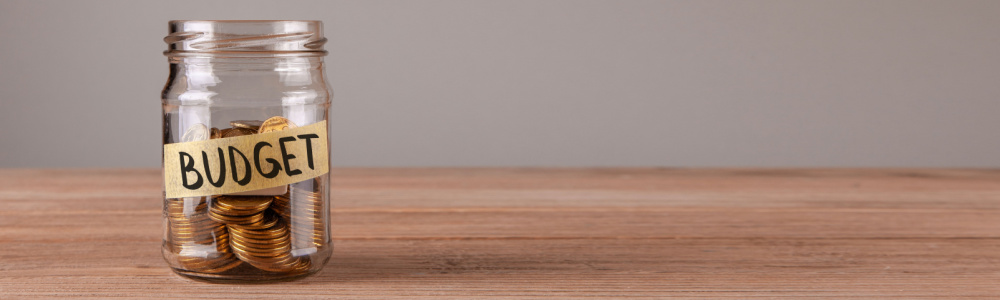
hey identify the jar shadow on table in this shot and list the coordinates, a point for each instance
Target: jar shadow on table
(376, 260)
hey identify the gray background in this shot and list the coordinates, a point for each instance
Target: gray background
(544, 83)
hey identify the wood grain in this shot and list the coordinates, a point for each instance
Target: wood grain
(560, 233)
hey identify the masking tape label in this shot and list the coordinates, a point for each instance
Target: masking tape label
(245, 163)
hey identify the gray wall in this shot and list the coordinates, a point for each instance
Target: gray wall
(544, 83)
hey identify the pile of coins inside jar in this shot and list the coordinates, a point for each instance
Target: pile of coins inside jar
(247, 233)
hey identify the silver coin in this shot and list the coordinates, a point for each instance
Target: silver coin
(197, 132)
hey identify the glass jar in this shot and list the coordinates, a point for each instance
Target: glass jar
(245, 157)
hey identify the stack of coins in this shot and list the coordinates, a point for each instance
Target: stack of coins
(266, 245)
(282, 205)
(260, 231)
(240, 128)
(306, 214)
(257, 236)
(234, 210)
(202, 244)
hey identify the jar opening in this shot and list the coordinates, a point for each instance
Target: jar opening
(245, 37)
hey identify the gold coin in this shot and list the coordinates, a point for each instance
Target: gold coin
(307, 226)
(273, 249)
(270, 221)
(194, 234)
(193, 224)
(235, 132)
(200, 219)
(268, 248)
(284, 264)
(280, 261)
(276, 123)
(178, 206)
(197, 263)
(199, 228)
(256, 260)
(260, 236)
(243, 205)
(215, 133)
(261, 242)
(303, 265)
(288, 266)
(188, 217)
(219, 261)
(263, 234)
(221, 242)
(249, 124)
(281, 200)
(305, 210)
(211, 265)
(280, 204)
(235, 219)
(195, 218)
(305, 240)
(193, 230)
(202, 245)
(226, 267)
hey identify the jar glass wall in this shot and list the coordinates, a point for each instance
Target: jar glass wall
(236, 83)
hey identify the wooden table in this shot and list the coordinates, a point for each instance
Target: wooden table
(563, 233)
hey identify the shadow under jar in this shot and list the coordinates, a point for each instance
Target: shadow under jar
(246, 160)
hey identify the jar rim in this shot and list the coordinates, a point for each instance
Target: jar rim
(245, 36)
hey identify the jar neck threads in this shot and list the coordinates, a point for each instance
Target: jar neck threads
(245, 38)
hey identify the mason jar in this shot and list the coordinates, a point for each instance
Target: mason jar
(245, 150)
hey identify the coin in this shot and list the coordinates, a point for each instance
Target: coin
(249, 124)
(222, 263)
(197, 132)
(282, 206)
(276, 123)
(265, 245)
(215, 133)
(306, 213)
(201, 244)
(243, 205)
(234, 132)
(226, 219)
(269, 221)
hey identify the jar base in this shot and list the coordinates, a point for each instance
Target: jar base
(241, 278)
(245, 273)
